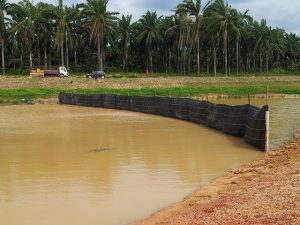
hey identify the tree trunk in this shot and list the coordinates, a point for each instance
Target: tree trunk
(198, 57)
(30, 58)
(184, 60)
(260, 63)
(248, 63)
(208, 62)
(126, 60)
(3, 56)
(267, 61)
(21, 62)
(45, 56)
(151, 61)
(62, 50)
(39, 51)
(75, 53)
(178, 62)
(237, 57)
(225, 52)
(100, 66)
(229, 64)
(189, 62)
(170, 59)
(67, 51)
(123, 59)
(166, 59)
(215, 61)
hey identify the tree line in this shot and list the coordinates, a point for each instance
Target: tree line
(212, 38)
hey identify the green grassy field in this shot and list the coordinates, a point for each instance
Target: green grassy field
(14, 90)
(15, 96)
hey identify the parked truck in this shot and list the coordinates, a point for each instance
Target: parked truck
(60, 72)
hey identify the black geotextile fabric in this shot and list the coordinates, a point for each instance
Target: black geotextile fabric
(244, 121)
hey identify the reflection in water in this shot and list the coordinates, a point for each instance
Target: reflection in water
(72, 166)
(284, 117)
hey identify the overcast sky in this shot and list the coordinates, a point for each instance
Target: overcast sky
(279, 13)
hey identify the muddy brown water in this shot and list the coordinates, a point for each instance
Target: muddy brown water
(72, 166)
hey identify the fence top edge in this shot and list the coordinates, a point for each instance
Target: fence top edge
(252, 107)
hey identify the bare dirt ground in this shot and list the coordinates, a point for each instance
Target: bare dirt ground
(83, 83)
(263, 192)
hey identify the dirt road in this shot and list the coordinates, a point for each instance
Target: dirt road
(263, 192)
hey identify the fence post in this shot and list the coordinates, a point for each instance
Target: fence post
(249, 99)
(267, 131)
(267, 96)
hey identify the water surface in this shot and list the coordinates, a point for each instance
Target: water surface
(68, 165)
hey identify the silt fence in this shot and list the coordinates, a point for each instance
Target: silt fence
(245, 121)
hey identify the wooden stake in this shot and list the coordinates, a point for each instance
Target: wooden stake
(249, 99)
(267, 96)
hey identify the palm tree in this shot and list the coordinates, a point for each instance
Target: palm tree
(223, 19)
(183, 29)
(195, 35)
(169, 40)
(194, 9)
(149, 33)
(23, 16)
(101, 22)
(41, 27)
(293, 46)
(3, 7)
(62, 17)
(239, 23)
(125, 29)
(268, 41)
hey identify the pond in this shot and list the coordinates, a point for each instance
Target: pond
(73, 165)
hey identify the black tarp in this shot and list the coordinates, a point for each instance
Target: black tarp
(244, 121)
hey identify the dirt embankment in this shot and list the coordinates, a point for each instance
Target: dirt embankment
(263, 192)
(83, 83)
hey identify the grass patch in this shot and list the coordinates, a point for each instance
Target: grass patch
(15, 96)
(194, 91)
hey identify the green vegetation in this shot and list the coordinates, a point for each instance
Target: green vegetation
(15, 96)
(211, 39)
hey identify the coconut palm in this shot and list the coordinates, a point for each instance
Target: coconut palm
(101, 22)
(41, 27)
(268, 41)
(23, 15)
(62, 16)
(183, 29)
(173, 43)
(169, 40)
(3, 34)
(194, 9)
(223, 18)
(149, 33)
(125, 29)
(293, 46)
